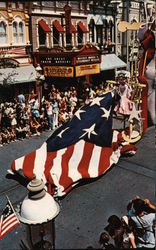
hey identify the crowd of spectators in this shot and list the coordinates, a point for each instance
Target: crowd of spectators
(136, 229)
(24, 117)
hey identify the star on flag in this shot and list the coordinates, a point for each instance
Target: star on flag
(89, 131)
(78, 112)
(60, 134)
(96, 101)
(106, 112)
(135, 113)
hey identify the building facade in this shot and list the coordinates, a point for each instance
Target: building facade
(15, 60)
(60, 42)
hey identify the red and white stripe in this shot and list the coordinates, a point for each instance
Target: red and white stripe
(66, 167)
(8, 224)
(18, 50)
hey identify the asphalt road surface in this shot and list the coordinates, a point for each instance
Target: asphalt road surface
(85, 210)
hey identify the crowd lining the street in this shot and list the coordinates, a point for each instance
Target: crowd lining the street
(136, 229)
(24, 117)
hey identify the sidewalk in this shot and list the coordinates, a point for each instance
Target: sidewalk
(85, 210)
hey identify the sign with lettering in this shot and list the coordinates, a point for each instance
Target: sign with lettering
(58, 71)
(89, 69)
(87, 59)
(51, 60)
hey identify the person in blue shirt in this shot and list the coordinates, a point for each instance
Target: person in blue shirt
(143, 222)
(21, 99)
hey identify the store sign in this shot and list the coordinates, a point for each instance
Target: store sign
(90, 69)
(87, 59)
(58, 71)
(51, 60)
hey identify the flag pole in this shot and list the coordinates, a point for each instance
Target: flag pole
(12, 207)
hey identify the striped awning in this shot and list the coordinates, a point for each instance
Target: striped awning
(72, 28)
(44, 26)
(82, 27)
(58, 26)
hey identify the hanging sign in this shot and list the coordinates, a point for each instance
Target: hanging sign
(58, 71)
(89, 69)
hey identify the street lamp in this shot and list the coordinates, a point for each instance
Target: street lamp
(39, 79)
(39, 208)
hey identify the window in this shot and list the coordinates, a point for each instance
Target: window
(18, 31)
(80, 36)
(20, 5)
(21, 35)
(105, 27)
(42, 36)
(55, 37)
(3, 33)
(2, 4)
(15, 33)
(13, 4)
(91, 30)
(99, 33)
(68, 39)
(111, 30)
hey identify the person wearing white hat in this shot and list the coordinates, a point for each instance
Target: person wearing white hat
(128, 236)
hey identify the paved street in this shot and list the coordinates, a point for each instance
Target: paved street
(85, 210)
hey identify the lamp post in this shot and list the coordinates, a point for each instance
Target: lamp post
(39, 79)
(39, 208)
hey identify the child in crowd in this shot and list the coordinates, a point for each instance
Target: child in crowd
(104, 242)
(34, 126)
(124, 90)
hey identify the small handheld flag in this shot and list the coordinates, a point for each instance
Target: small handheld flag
(8, 219)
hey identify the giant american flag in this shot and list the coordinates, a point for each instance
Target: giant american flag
(84, 147)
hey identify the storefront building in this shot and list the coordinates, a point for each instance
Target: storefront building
(17, 73)
(60, 42)
(70, 66)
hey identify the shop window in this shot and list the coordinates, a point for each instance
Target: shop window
(42, 36)
(3, 33)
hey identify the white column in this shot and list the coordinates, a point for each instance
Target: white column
(51, 37)
(60, 40)
(37, 36)
(76, 39)
(47, 40)
(64, 39)
(72, 40)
